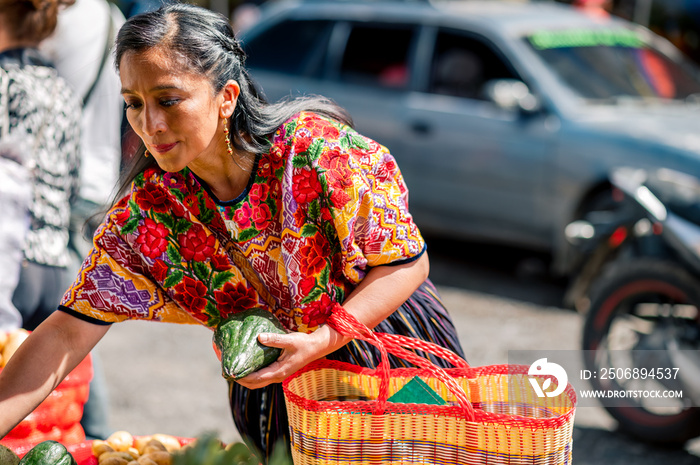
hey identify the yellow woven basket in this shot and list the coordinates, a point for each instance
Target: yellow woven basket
(339, 414)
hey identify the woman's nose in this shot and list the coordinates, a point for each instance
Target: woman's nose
(153, 122)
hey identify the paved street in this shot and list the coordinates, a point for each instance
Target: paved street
(166, 379)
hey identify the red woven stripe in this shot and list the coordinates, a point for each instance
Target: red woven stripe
(413, 451)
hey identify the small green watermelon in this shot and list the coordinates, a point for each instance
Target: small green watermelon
(236, 342)
(48, 453)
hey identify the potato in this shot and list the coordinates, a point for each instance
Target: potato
(99, 447)
(160, 457)
(134, 452)
(153, 446)
(140, 442)
(120, 440)
(146, 460)
(14, 340)
(114, 461)
(125, 456)
(170, 442)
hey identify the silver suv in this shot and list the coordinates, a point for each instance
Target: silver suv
(505, 118)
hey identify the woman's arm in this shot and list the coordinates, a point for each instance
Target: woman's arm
(41, 362)
(381, 292)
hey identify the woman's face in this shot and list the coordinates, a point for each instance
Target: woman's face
(175, 112)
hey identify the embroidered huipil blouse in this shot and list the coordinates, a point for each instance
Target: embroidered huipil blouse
(324, 206)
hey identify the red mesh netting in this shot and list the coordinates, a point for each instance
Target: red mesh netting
(58, 416)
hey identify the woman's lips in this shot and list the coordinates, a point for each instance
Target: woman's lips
(163, 148)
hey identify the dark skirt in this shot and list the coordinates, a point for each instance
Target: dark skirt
(260, 414)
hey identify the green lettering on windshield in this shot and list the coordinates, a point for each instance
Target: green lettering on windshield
(542, 40)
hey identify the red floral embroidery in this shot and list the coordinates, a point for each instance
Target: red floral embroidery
(209, 203)
(153, 197)
(191, 294)
(259, 193)
(242, 216)
(235, 298)
(195, 244)
(176, 208)
(123, 216)
(192, 203)
(261, 216)
(316, 313)
(314, 254)
(265, 168)
(306, 186)
(173, 181)
(307, 285)
(299, 217)
(326, 214)
(159, 270)
(302, 144)
(220, 263)
(151, 238)
(339, 198)
(149, 172)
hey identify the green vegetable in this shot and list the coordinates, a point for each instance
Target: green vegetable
(236, 342)
(48, 453)
(207, 450)
(7, 456)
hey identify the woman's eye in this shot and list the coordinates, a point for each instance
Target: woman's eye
(132, 105)
(168, 102)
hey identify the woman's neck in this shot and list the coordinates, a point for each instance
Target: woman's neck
(230, 180)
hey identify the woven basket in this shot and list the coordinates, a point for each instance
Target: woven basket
(339, 414)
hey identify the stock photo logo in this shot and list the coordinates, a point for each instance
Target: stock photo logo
(541, 368)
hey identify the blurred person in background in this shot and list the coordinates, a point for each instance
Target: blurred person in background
(235, 203)
(41, 118)
(81, 50)
(40, 135)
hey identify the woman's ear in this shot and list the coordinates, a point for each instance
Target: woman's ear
(230, 94)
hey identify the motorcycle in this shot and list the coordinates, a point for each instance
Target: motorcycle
(639, 288)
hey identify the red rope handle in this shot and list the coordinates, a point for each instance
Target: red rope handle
(347, 325)
(425, 346)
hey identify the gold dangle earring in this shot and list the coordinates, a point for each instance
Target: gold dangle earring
(146, 154)
(229, 148)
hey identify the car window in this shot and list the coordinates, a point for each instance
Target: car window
(292, 46)
(378, 55)
(609, 64)
(462, 64)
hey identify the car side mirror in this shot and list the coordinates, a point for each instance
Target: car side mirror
(511, 94)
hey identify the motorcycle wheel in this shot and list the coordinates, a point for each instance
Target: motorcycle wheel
(637, 305)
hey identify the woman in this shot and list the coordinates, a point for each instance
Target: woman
(234, 203)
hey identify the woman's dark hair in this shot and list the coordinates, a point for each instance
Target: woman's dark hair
(205, 40)
(31, 21)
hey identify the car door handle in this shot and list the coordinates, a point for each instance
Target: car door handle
(421, 128)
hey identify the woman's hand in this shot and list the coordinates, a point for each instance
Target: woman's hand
(298, 350)
(381, 292)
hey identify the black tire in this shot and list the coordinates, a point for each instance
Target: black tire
(622, 285)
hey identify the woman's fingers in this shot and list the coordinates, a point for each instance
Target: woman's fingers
(296, 353)
(281, 341)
